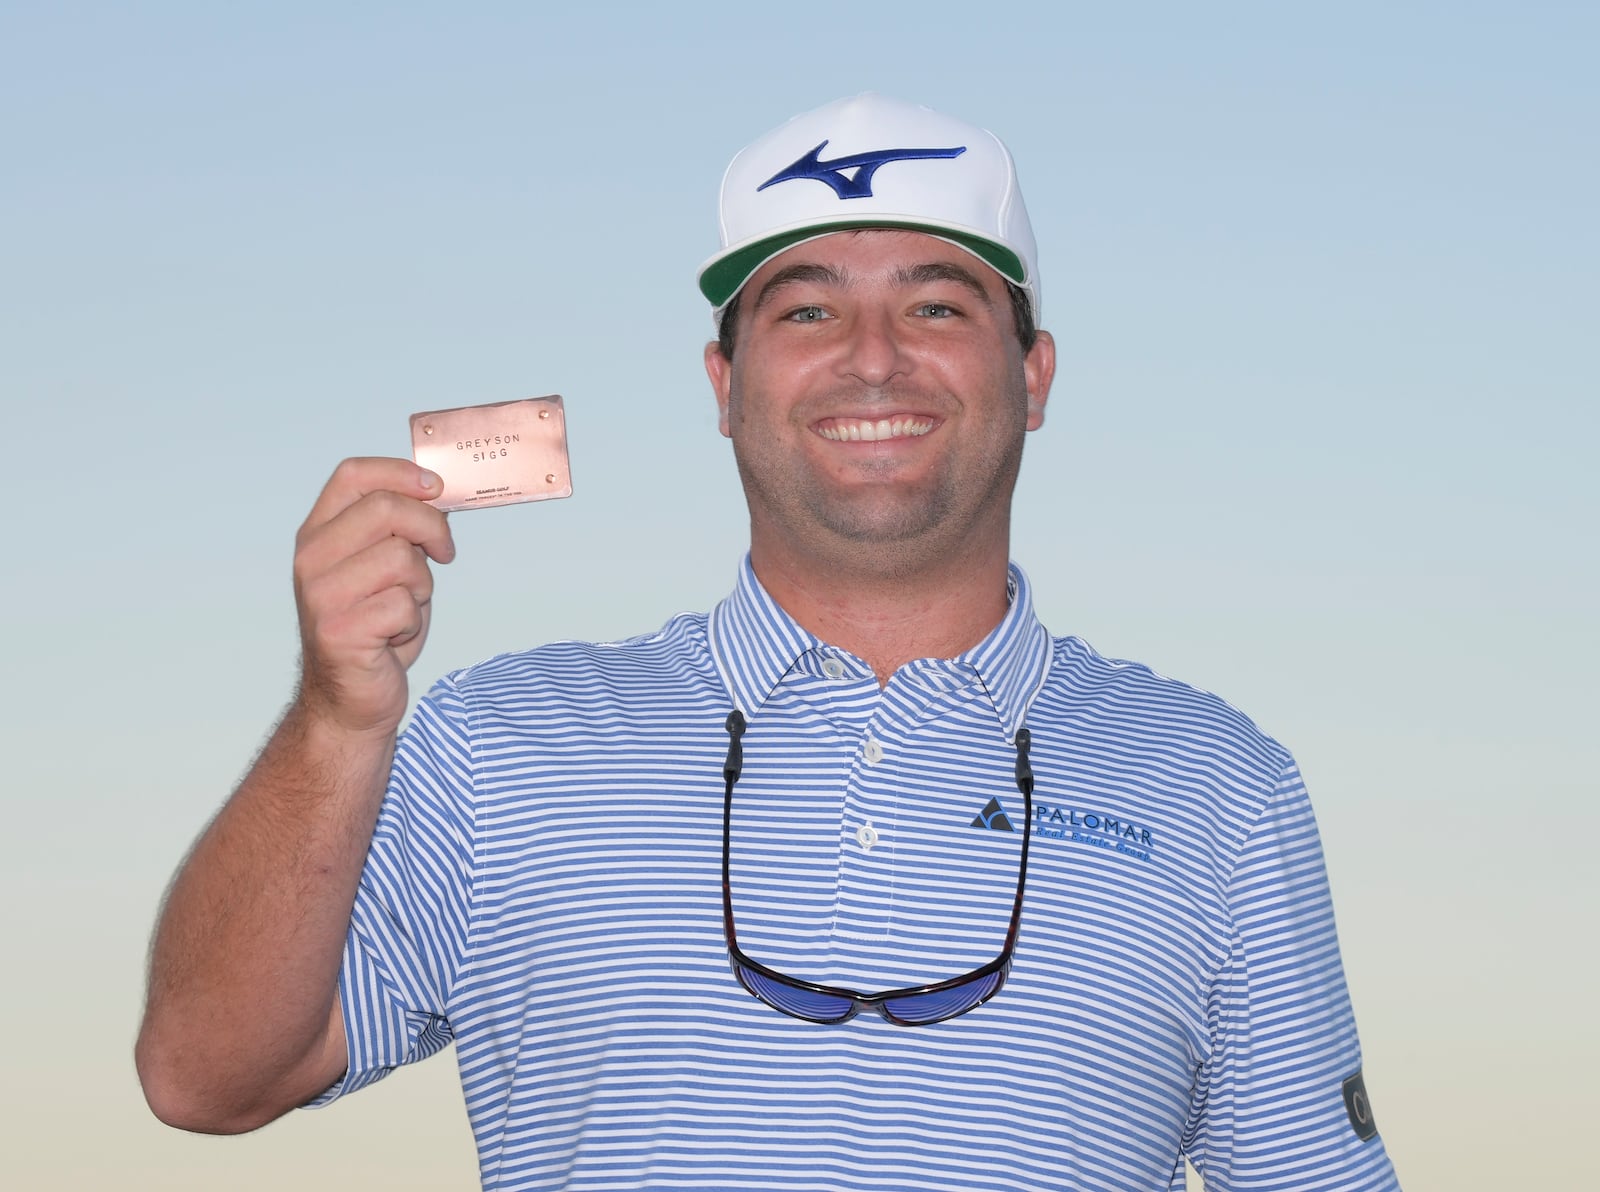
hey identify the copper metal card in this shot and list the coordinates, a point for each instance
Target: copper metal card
(497, 454)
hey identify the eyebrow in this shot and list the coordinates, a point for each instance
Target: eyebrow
(911, 276)
(821, 275)
(921, 275)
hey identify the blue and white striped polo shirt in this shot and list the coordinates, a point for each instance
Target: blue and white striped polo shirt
(544, 886)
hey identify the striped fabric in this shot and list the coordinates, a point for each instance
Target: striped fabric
(544, 888)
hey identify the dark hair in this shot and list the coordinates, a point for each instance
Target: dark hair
(1021, 315)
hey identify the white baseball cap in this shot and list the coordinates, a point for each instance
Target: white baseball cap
(871, 162)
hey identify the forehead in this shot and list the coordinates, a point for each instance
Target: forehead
(875, 253)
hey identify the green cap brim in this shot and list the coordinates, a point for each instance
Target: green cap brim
(722, 279)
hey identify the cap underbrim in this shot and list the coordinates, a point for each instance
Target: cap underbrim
(723, 277)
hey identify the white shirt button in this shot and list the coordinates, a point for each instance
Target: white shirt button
(833, 668)
(872, 751)
(867, 835)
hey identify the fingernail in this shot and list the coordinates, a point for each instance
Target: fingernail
(431, 479)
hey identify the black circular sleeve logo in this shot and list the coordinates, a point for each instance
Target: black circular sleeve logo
(1359, 1108)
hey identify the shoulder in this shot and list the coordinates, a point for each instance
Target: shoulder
(580, 680)
(1089, 687)
(1125, 725)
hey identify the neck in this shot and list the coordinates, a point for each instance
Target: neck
(888, 617)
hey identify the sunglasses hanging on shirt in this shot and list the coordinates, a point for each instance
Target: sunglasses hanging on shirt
(917, 1005)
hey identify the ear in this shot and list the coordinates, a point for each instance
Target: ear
(1039, 370)
(720, 369)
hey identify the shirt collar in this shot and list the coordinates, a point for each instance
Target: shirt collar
(754, 643)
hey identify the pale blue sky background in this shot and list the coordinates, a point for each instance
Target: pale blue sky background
(1323, 440)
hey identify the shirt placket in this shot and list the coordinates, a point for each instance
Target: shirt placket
(878, 730)
(869, 831)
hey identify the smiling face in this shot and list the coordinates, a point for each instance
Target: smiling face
(877, 402)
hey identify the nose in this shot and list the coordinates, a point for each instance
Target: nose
(873, 351)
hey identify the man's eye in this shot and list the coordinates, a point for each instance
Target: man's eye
(935, 310)
(807, 314)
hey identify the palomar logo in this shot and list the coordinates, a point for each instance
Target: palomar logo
(994, 817)
(1100, 829)
(865, 165)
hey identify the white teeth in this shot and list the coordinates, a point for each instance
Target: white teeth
(872, 432)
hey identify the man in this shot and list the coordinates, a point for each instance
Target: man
(837, 781)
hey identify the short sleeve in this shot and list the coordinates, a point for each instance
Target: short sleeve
(1273, 1104)
(408, 929)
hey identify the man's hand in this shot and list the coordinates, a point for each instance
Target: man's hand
(364, 590)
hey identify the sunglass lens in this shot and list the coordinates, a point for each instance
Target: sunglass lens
(802, 1003)
(918, 1009)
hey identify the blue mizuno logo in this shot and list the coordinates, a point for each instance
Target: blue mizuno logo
(859, 184)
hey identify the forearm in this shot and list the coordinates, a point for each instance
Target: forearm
(241, 1022)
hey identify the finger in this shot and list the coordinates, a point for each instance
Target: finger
(407, 644)
(375, 518)
(356, 478)
(393, 616)
(390, 563)
(358, 639)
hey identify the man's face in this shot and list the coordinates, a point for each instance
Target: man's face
(877, 399)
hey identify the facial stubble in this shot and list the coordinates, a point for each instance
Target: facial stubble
(888, 528)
